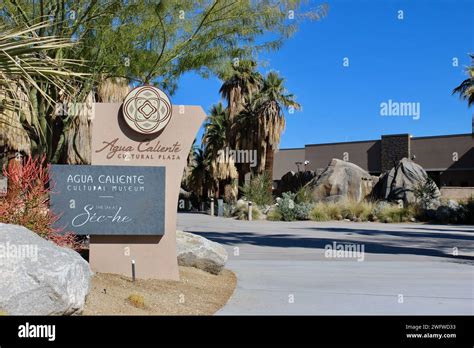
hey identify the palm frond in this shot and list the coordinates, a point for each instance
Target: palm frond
(466, 88)
(27, 72)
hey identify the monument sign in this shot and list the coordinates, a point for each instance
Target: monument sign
(126, 201)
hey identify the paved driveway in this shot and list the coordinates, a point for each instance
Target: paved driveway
(283, 267)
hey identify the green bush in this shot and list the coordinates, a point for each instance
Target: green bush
(274, 215)
(257, 190)
(304, 195)
(303, 211)
(286, 206)
(289, 209)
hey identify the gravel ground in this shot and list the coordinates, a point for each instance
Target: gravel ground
(197, 293)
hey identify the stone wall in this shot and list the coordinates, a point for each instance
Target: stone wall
(457, 193)
(393, 149)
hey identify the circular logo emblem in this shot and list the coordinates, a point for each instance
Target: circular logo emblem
(147, 110)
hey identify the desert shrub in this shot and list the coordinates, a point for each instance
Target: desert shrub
(303, 211)
(304, 195)
(27, 200)
(227, 210)
(393, 213)
(136, 300)
(452, 212)
(286, 206)
(230, 193)
(469, 210)
(357, 210)
(256, 213)
(426, 192)
(447, 212)
(274, 215)
(351, 210)
(288, 209)
(333, 210)
(362, 211)
(257, 190)
(320, 213)
(241, 212)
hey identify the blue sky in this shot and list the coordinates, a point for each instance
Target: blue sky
(408, 60)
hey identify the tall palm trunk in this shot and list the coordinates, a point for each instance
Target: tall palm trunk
(269, 154)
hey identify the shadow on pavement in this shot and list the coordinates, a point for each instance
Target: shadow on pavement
(371, 247)
(434, 235)
(443, 229)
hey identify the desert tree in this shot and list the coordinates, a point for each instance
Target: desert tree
(144, 42)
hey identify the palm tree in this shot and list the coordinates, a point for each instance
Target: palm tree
(189, 166)
(466, 88)
(216, 128)
(240, 81)
(246, 130)
(200, 175)
(271, 101)
(36, 82)
(215, 139)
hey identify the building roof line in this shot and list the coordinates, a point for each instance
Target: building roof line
(291, 148)
(374, 141)
(444, 136)
(344, 142)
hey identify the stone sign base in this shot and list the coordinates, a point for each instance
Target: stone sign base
(113, 143)
(114, 254)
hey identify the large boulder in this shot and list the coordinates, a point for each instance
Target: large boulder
(200, 252)
(342, 180)
(37, 277)
(400, 182)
